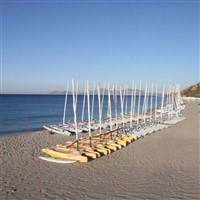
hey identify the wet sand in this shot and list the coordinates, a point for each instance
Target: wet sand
(164, 165)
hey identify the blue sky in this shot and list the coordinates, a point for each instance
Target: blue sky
(47, 43)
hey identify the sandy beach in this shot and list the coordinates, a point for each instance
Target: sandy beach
(164, 165)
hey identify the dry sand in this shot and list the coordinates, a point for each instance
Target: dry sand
(164, 165)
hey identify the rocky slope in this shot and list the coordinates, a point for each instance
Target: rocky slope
(192, 91)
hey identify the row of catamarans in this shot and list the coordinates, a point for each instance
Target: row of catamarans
(118, 129)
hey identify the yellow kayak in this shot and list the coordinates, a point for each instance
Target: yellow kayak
(111, 147)
(89, 154)
(100, 146)
(120, 142)
(70, 156)
(63, 149)
(87, 151)
(105, 136)
(114, 144)
(126, 139)
(102, 150)
(108, 146)
(91, 150)
(134, 137)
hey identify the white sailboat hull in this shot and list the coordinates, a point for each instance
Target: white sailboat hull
(63, 132)
(57, 160)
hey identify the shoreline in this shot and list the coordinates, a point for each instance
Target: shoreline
(164, 165)
(20, 133)
(17, 119)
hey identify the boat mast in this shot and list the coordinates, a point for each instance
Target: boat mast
(122, 106)
(170, 91)
(99, 101)
(89, 117)
(173, 96)
(147, 100)
(126, 98)
(76, 92)
(109, 106)
(132, 104)
(74, 109)
(156, 102)
(83, 108)
(76, 101)
(151, 106)
(134, 101)
(123, 98)
(178, 97)
(138, 111)
(144, 103)
(103, 100)
(93, 102)
(162, 104)
(169, 103)
(107, 116)
(65, 105)
(115, 100)
(144, 100)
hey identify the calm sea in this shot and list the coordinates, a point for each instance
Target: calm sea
(25, 113)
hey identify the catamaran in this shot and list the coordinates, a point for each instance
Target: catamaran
(116, 130)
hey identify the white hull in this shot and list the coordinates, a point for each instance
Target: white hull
(63, 132)
(73, 130)
(57, 160)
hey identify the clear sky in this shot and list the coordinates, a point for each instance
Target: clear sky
(47, 43)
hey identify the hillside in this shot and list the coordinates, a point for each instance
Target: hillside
(192, 91)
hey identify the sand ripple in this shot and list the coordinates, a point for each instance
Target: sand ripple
(164, 165)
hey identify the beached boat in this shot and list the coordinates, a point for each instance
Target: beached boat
(57, 160)
(119, 129)
(57, 130)
(69, 156)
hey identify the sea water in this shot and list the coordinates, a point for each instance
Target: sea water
(24, 113)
